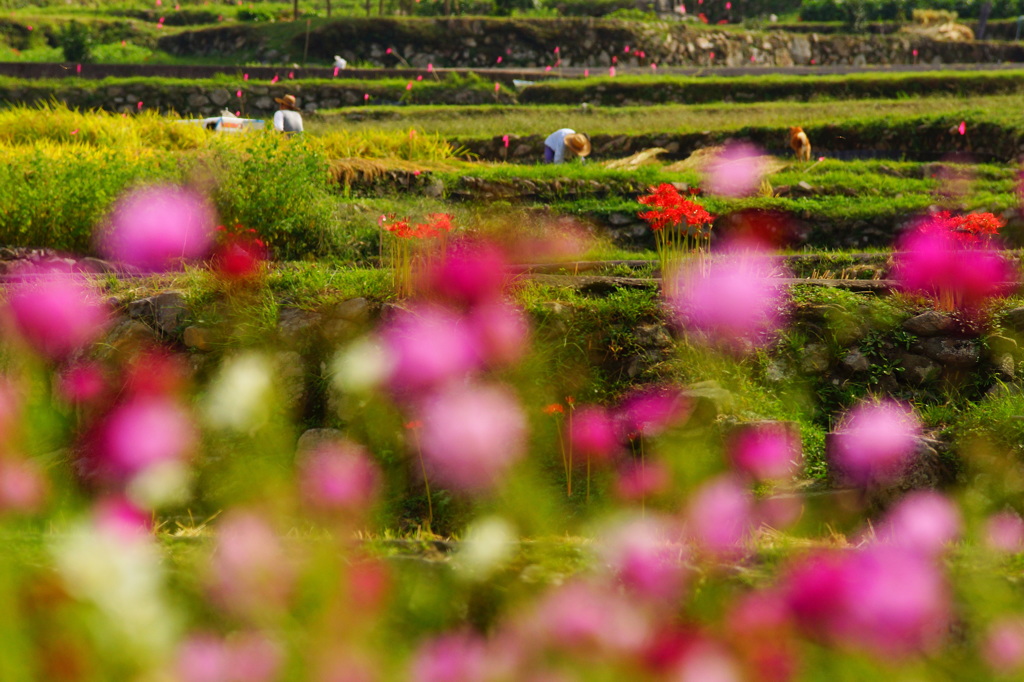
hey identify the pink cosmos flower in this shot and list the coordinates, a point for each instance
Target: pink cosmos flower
(250, 573)
(923, 521)
(649, 412)
(592, 433)
(646, 555)
(766, 450)
(720, 516)
(471, 436)
(144, 432)
(883, 599)
(637, 481)
(469, 273)
(708, 662)
(1003, 646)
(338, 478)
(120, 516)
(242, 657)
(933, 261)
(1004, 532)
(456, 657)
(735, 298)
(82, 383)
(501, 332)
(875, 440)
(23, 487)
(736, 171)
(588, 618)
(56, 312)
(156, 228)
(429, 346)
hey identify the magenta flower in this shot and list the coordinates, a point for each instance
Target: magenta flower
(250, 572)
(933, 261)
(1004, 532)
(637, 481)
(766, 450)
(875, 440)
(142, 433)
(470, 273)
(248, 656)
(649, 412)
(23, 487)
(428, 347)
(338, 478)
(720, 516)
(56, 312)
(736, 171)
(588, 618)
(471, 436)
(882, 599)
(501, 333)
(592, 433)
(123, 518)
(647, 556)
(1003, 647)
(451, 658)
(734, 299)
(82, 383)
(155, 228)
(923, 521)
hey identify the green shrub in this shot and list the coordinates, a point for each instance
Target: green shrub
(75, 41)
(279, 186)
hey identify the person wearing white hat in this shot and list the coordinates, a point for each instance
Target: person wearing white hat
(565, 141)
(287, 119)
(340, 63)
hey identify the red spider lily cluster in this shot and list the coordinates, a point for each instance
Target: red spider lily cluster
(669, 209)
(439, 224)
(972, 229)
(240, 253)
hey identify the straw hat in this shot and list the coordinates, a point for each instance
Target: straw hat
(287, 100)
(578, 144)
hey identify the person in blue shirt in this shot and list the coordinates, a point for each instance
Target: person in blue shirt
(565, 141)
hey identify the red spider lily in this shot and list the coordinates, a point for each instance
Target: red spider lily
(240, 253)
(440, 223)
(554, 408)
(400, 228)
(671, 209)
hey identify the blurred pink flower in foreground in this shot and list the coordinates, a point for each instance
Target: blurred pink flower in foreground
(875, 440)
(56, 312)
(338, 478)
(923, 521)
(250, 572)
(637, 481)
(588, 618)
(155, 228)
(23, 487)
(501, 333)
(243, 657)
(458, 657)
(720, 516)
(646, 555)
(82, 383)
(734, 298)
(119, 516)
(428, 347)
(592, 433)
(708, 662)
(736, 171)
(1004, 532)
(768, 450)
(883, 599)
(471, 436)
(649, 412)
(142, 433)
(469, 273)
(1003, 646)
(934, 261)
